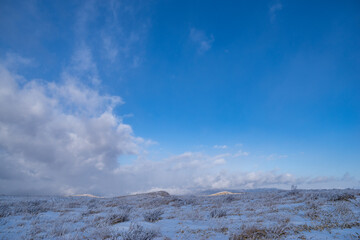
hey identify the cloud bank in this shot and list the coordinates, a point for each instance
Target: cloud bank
(58, 137)
(64, 138)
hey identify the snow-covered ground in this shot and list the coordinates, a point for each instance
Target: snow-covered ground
(304, 214)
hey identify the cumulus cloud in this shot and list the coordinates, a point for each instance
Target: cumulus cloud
(58, 136)
(201, 40)
(64, 138)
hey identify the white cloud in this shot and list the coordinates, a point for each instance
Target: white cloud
(110, 48)
(84, 16)
(13, 60)
(241, 153)
(82, 66)
(220, 146)
(196, 171)
(82, 60)
(225, 179)
(124, 34)
(274, 9)
(120, 38)
(275, 156)
(219, 161)
(202, 41)
(55, 137)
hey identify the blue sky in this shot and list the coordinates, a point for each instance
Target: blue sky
(265, 88)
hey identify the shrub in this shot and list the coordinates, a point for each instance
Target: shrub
(92, 203)
(30, 207)
(176, 201)
(120, 217)
(251, 232)
(153, 216)
(217, 213)
(138, 232)
(59, 230)
(184, 200)
(294, 190)
(190, 200)
(260, 232)
(36, 208)
(5, 211)
(74, 205)
(342, 197)
(229, 198)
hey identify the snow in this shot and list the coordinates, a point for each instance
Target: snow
(276, 214)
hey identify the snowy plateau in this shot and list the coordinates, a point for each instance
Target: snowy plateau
(267, 214)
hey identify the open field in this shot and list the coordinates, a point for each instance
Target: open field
(278, 214)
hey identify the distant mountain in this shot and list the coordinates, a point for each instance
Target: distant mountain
(150, 194)
(223, 193)
(85, 195)
(216, 191)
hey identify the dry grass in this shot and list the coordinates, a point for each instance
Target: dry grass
(261, 232)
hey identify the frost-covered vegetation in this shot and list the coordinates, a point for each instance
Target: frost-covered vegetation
(277, 214)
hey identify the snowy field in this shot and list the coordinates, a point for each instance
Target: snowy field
(278, 214)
